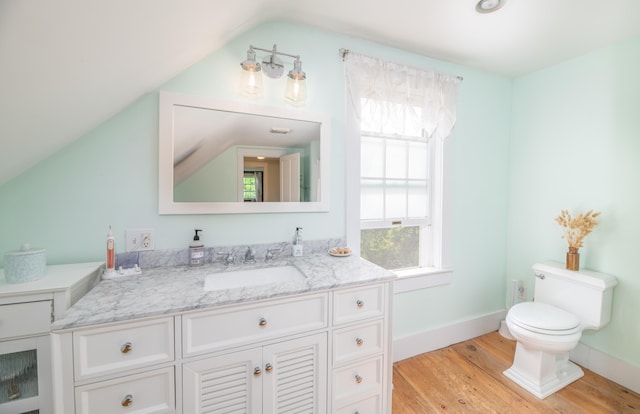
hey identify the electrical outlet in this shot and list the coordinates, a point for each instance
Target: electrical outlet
(521, 290)
(138, 240)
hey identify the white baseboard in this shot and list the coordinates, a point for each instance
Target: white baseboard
(426, 341)
(602, 364)
(607, 366)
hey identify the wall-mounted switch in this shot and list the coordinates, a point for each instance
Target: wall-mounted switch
(138, 240)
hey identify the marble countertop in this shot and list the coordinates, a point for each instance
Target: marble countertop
(170, 290)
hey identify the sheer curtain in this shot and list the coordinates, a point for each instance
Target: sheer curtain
(431, 94)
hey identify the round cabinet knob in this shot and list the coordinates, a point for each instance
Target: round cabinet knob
(359, 303)
(358, 379)
(359, 341)
(257, 371)
(263, 322)
(127, 401)
(126, 348)
(268, 367)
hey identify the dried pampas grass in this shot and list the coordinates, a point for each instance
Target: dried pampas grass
(577, 228)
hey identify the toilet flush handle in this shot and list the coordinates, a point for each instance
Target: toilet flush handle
(540, 276)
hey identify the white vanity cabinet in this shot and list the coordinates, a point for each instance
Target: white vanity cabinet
(317, 353)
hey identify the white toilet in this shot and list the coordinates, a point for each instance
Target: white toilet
(566, 303)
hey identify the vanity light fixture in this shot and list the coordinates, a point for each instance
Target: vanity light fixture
(272, 66)
(489, 6)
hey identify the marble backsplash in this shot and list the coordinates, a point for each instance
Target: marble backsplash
(180, 257)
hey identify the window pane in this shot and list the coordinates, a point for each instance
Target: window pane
(392, 248)
(18, 375)
(372, 157)
(371, 200)
(396, 200)
(418, 160)
(418, 200)
(396, 159)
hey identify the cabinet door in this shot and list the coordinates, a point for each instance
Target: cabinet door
(295, 376)
(224, 385)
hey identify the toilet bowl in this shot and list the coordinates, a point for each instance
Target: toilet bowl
(567, 302)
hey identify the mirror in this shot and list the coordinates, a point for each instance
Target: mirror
(232, 157)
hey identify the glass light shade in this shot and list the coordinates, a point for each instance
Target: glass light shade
(251, 80)
(251, 84)
(296, 92)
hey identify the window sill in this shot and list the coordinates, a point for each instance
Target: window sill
(423, 278)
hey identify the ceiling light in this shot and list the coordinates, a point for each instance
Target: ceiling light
(489, 6)
(272, 66)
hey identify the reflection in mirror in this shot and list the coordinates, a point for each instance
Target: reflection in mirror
(223, 157)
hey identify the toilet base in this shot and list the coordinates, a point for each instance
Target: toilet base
(542, 373)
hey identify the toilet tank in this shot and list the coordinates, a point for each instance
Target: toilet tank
(584, 293)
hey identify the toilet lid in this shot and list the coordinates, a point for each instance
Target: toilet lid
(541, 317)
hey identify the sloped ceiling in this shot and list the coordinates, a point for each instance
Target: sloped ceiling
(67, 65)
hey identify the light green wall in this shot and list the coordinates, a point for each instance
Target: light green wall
(575, 145)
(109, 176)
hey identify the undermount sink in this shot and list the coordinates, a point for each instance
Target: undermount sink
(252, 277)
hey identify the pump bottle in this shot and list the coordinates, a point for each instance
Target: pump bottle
(297, 243)
(196, 251)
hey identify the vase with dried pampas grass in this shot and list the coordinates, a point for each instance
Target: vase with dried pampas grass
(575, 229)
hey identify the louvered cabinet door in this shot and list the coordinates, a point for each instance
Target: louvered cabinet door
(295, 376)
(228, 384)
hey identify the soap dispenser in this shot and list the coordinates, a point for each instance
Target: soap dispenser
(196, 251)
(297, 243)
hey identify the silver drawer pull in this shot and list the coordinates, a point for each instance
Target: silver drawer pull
(257, 371)
(359, 303)
(358, 379)
(359, 341)
(268, 367)
(126, 348)
(127, 401)
(263, 322)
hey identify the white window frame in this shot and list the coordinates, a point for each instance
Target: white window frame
(438, 237)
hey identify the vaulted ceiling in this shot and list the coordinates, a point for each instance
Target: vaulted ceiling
(67, 65)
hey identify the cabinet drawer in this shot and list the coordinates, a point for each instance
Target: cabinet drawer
(369, 405)
(149, 393)
(357, 342)
(124, 346)
(214, 330)
(22, 319)
(358, 304)
(357, 381)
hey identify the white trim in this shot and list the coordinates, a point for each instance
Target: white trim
(421, 278)
(166, 204)
(437, 338)
(614, 369)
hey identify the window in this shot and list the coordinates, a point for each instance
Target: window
(252, 186)
(398, 119)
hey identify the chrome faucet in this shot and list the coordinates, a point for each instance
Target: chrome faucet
(249, 256)
(227, 257)
(271, 254)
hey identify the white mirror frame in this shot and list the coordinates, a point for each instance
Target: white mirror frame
(166, 205)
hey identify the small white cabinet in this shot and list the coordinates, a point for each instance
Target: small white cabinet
(26, 313)
(317, 353)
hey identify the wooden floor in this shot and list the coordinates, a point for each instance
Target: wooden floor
(467, 378)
